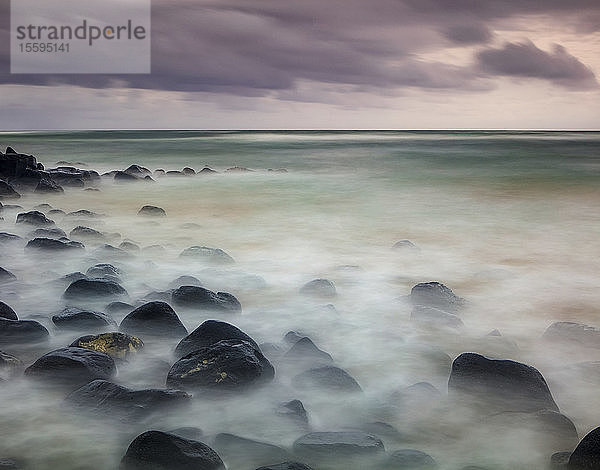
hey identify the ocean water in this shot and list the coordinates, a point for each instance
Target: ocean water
(508, 220)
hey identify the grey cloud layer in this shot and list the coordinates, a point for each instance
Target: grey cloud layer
(257, 47)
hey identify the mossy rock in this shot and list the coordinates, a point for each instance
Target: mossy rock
(117, 345)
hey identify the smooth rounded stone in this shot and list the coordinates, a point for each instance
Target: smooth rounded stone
(203, 299)
(110, 251)
(188, 171)
(292, 337)
(50, 244)
(338, 445)
(152, 211)
(6, 275)
(228, 364)
(56, 212)
(435, 294)
(8, 237)
(119, 307)
(286, 466)
(174, 173)
(116, 345)
(293, 409)
(185, 281)
(7, 312)
(84, 214)
(9, 364)
(305, 350)
(48, 233)
(208, 333)
(122, 177)
(559, 460)
(187, 432)
(94, 289)
(153, 318)
(405, 244)
(159, 172)
(502, 384)
(157, 450)
(72, 365)
(239, 452)
(587, 453)
(154, 250)
(7, 191)
(207, 170)
(72, 318)
(207, 254)
(101, 396)
(162, 296)
(42, 207)
(48, 186)
(130, 247)
(103, 270)
(137, 170)
(573, 333)
(34, 218)
(432, 316)
(72, 277)
(86, 233)
(22, 331)
(329, 378)
(319, 288)
(410, 459)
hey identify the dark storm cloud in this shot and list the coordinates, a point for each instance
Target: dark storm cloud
(526, 60)
(257, 47)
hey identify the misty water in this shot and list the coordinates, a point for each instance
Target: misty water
(509, 221)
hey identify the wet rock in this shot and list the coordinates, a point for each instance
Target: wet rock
(111, 252)
(174, 173)
(293, 409)
(149, 179)
(129, 246)
(405, 244)
(101, 396)
(208, 333)
(338, 445)
(50, 244)
(153, 318)
(119, 307)
(13, 164)
(188, 171)
(208, 255)
(72, 365)
(410, 459)
(137, 170)
(34, 218)
(72, 318)
(122, 177)
(104, 271)
(48, 233)
(305, 350)
(187, 432)
(239, 451)
(21, 331)
(94, 289)
(559, 460)
(159, 172)
(152, 211)
(7, 191)
(6, 275)
(329, 378)
(86, 233)
(8, 237)
(587, 453)
(7, 312)
(437, 295)
(203, 299)
(48, 186)
(207, 170)
(185, 281)
(156, 450)
(57, 212)
(319, 288)
(502, 384)
(381, 429)
(292, 337)
(84, 214)
(286, 466)
(116, 345)
(162, 296)
(432, 316)
(573, 333)
(228, 364)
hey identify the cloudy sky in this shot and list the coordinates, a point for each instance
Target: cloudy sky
(311, 64)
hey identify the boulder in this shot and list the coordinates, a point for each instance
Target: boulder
(101, 396)
(51, 244)
(116, 345)
(86, 233)
(48, 186)
(286, 466)
(122, 177)
(7, 312)
(437, 295)
(72, 318)
(111, 252)
(328, 378)
(405, 244)
(119, 307)
(14, 165)
(152, 211)
(338, 445)
(129, 247)
(104, 271)
(7, 191)
(153, 318)
(573, 333)
(34, 218)
(305, 350)
(208, 255)
(228, 364)
(587, 453)
(319, 288)
(207, 170)
(503, 385)
(203, 299)
(431, 316)
(137, 170)
(84, 214)
(209, 333)
(54, 232)
(21, 331)
(157, 450)
(185, 281)
(293, 409)
(8, 237)
(240, 452)
(188, 171)
(6, 275)
(94, 289)
(73, 366)
(410, 459)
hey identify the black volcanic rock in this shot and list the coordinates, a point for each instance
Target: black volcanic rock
(137, 170)
(203, 299)
(240, 451)
(410, 459)
(7, 312)
(7, 191)
(587, 453)
(34, 218)
(6, 275)
(327, 378)
(72, 318)
(86, 233)
(48, 186)
(336, 445)
(437, 295)
(152, 211)
(208, 333)
(122, 177)
(51, 244)
(153, 318)
(53, 232)
(22, 331)
(94, 289)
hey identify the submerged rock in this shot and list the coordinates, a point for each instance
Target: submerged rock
(156, 450)
(587, 453)
(8, 237)
(137, 170)
(48, 186)
(116, 345)
(9, 365)
(94, 289)
(85, 233)
(153, 318)
(338, 445)
(437, 295)
(152, 211)
(34, 218)
(239, 452)
(6, 275)
(228, 364)
(432, 316)
(319, 288)
(7, 191)
(208, 333)
(122, 177)
(293, 409)
(405, 244)
(204, 299)
(502, 384)
(209, 255)
(50, 244)
(7, 312)
(104, 271)
(72, 318)
(329, 377)
(22, 331)
(286, 466)
(410, 459)
(305, 350)
(574, 333)
(48, 233)
(185, 281)
(72, 365)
